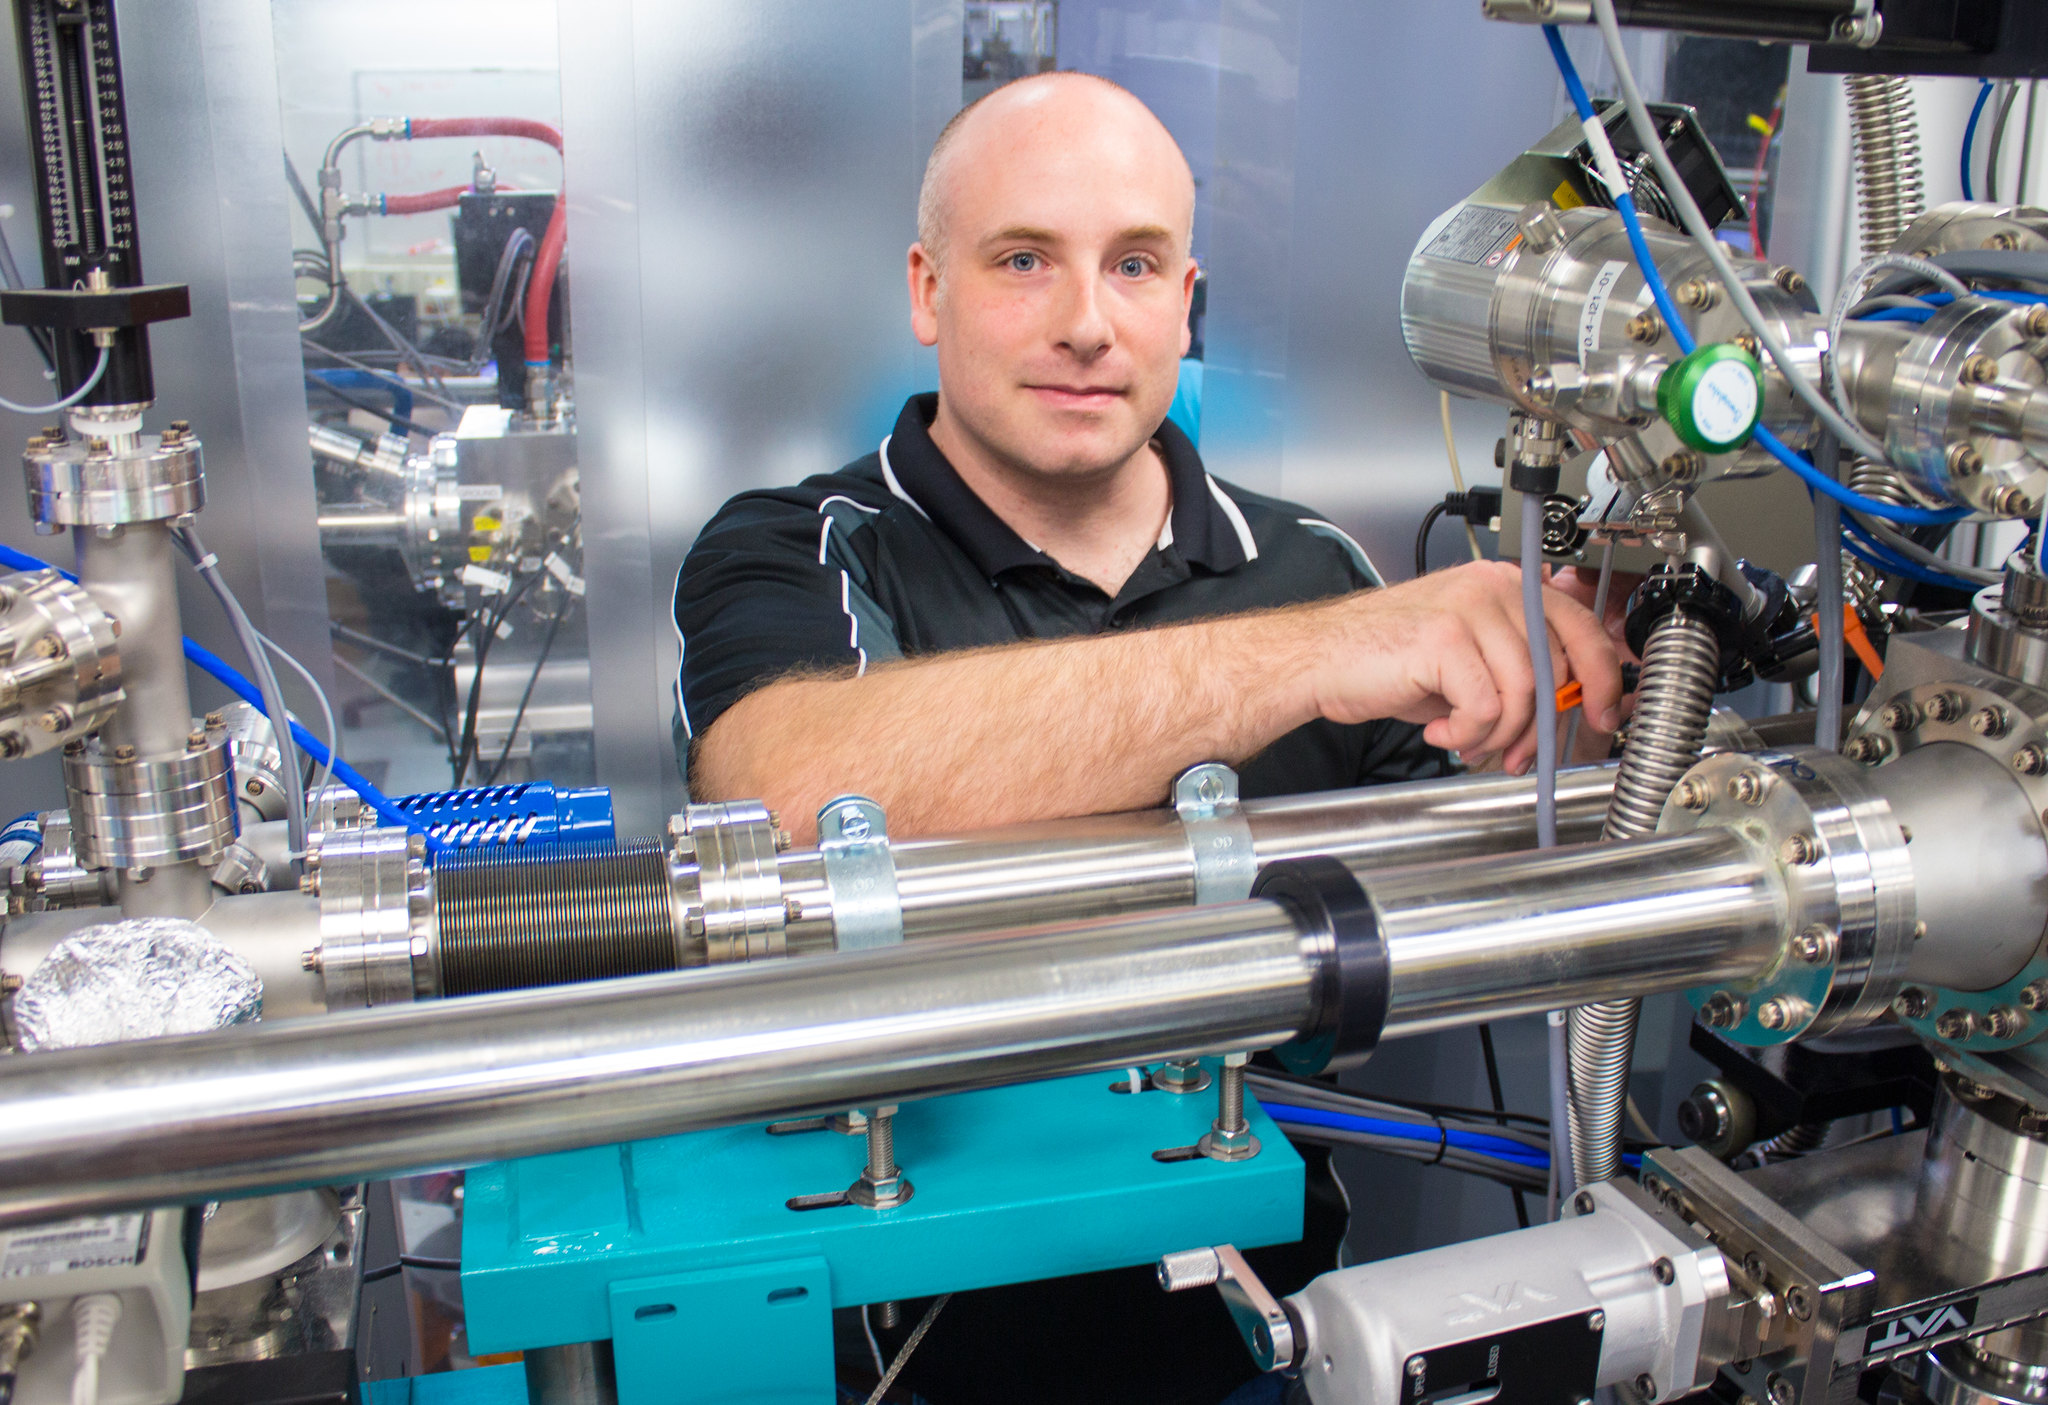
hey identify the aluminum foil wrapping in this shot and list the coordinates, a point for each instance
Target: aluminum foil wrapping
(135, 979)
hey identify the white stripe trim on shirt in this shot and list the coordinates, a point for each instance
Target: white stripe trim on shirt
(1244, 531)
(889, 477)
(1350, 542)
(846, 581)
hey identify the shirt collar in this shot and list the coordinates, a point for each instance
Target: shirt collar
(1205, 526)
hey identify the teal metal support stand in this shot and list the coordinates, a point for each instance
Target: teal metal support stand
(687, 1254)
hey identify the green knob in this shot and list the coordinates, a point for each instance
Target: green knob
(1713, 397)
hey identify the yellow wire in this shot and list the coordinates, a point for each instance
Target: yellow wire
(1457, 473)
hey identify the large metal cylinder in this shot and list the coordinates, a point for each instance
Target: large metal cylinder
(337, 1098)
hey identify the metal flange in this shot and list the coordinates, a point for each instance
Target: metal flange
(1848, 884)
(60, 663)
(378, 933)
(135, 812)
(1935, 430)
(89, 483)
(725, 881)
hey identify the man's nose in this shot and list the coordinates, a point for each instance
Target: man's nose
(1086, 329)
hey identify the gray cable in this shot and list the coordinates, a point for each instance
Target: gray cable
(1539, 663)
(1847, 297)
(208, 567)
(329, 732)
(1914, 552)
(2019, 196)
(1696, 225)
(1997, 149)
(1827, 561)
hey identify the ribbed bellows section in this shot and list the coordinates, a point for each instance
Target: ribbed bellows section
(562, 916)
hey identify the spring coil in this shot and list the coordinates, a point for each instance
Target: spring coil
(1681, 665)
(1876, 480)
(1794, 1141)
(1884, 131)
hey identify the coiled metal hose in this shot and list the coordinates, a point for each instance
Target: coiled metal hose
(1681, 665)
(555, 917)
(1885, 134)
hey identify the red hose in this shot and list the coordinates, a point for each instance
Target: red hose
(540, 286)
(421, 127)
(424, 201)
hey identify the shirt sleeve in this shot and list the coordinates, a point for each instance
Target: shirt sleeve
(772, 586)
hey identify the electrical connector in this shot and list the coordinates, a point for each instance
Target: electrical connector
(93, 1319)
(18, 1324)
(1480, 506)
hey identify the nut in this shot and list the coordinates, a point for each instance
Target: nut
(1692, 795)
(1989, 722)
(1980, 369)
(1749, 786)
(1685, 466)
(1869, 748)
(55, 719)
(1418, 1367)
(1789, 280)
(2035, 995)
(1749, 343)
(1583, 1202)
(1799, 849)
(1663, 1271)
(1645, 327)
(1955, 1024)
(1945, 707)
(1646, 1386)
(2003, 1022)
(124, 753)
(1964, 462)
(1781, 1012)
(2011, 502)
(1914, 1003)
(1815, 945)
(2030, 760)
(1723, 1010)
(1698, 294)
(2004, 239)
(195, 741)
(1902, 716)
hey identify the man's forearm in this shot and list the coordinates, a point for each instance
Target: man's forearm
(1030, 731)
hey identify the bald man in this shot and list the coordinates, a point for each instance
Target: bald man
(1032, 602)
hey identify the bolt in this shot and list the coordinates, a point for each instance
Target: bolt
(1684, 466)
(309, 883)
(1181, 1076)
(124, 753)
(1799, 1301)
(1964, 462)
(181, 426)
(1662, 1271)
(2030, 760)
(792, 911)
(1230, 1099)
(1692, 795)
(1780, 1012)
(1418, 1367)
(195, 741)
(253, 786)
(1723, 1010)
(75, 747)
(1583, 1202)
(2035, 995)
(1749, 787)
(1902, 716)
(54, 720)
(2037, 320)
(1955, 1024)
(1945, 707)
(1814, 945)
(1780, 1389)
(1799, 849)
(1646, 327)
(1868, 748)
(783, 841)
(2003, 1022)
(1981, 369)
(1789, 280)
(1913, 1003)
(2011, 502)
(416, 846)
(882, 1144)
(1695, 293)
(889, 1315)
(2002, 240)
(1596, 1321)
(1646, 1386)
(1749, 343)
(49, 646)
(309, 960)
(1973, 1092)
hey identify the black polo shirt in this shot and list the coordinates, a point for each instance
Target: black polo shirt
(895, 557)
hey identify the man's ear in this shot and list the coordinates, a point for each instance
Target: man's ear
(923, 275)
(1187, 305)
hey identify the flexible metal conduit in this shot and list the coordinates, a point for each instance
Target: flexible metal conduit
(1681, 663)
(338, 1098)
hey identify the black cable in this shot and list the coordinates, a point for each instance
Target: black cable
(1429, 518)
(406, 1261)
(1500, 1109)
(547, 645)
(394, 419)
(482, 645)
(1477, 1114)
(305, 197)
(1997, 143)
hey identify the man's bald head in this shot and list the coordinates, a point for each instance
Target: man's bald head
(1078, 113)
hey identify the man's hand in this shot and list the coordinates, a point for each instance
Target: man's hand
(1449, 650)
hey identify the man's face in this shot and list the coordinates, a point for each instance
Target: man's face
(1059, 299)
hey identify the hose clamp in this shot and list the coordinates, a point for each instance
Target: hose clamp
(860, 873)
(1218, 835)
(1354, 988)
(1693, 589)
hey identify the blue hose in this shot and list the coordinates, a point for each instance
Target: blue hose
(349, 378)
(1477, 1142)
(1970, 135)
(1625, 206)
(225, 673)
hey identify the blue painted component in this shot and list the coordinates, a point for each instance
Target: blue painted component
(481, 1385)
(509, 816)
(1011, 1184)
(759, 1332)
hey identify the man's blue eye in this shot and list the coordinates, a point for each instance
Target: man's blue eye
(1133, 268)
(1023, 263)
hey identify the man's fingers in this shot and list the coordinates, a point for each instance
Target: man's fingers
(1506, 651)
(1469, 691)
(1590, 657)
